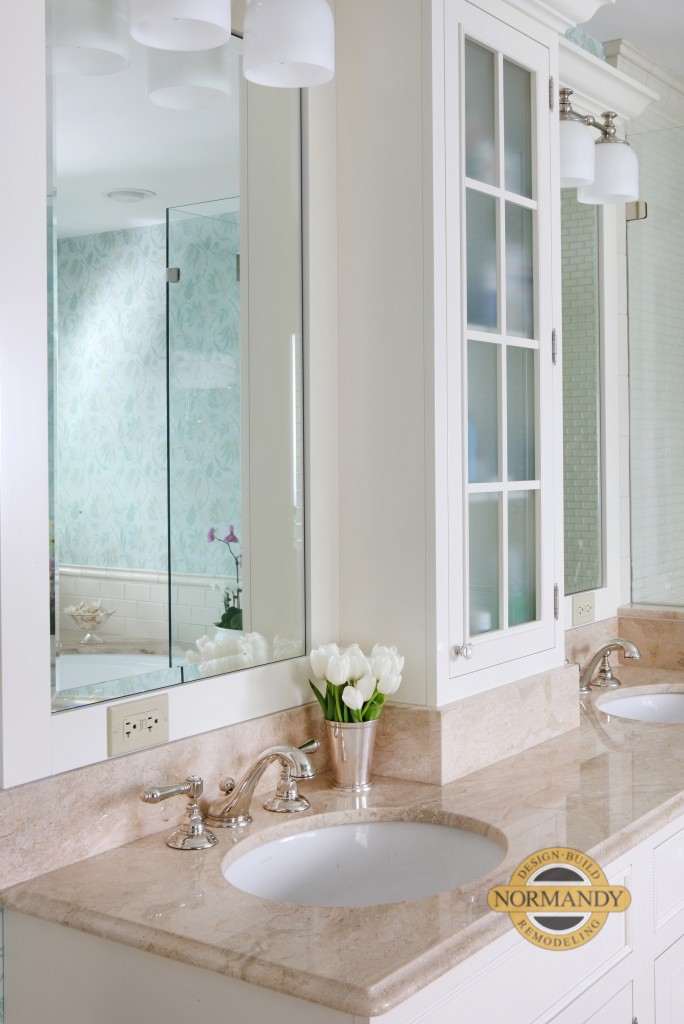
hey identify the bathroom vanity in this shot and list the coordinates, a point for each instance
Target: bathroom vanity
(146, 930)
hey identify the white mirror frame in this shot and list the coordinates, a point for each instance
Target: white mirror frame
(34, 743)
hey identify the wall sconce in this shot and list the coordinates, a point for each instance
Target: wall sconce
(603, 171)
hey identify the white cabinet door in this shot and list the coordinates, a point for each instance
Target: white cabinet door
(500, 286)
(669, 985)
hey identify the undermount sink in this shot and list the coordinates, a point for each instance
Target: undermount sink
(664, 707)
(363, 864)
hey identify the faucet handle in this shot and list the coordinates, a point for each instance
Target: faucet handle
(192, 834)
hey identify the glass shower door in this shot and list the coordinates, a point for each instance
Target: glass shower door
(206, 489)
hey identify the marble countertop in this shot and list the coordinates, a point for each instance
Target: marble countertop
(600, 788)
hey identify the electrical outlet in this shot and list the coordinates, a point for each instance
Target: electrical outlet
(137, 724)
(583, 608)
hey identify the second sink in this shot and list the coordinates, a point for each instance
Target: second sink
(366, 863)
(660, 706)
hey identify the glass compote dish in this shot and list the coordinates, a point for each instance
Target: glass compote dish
(89, 616)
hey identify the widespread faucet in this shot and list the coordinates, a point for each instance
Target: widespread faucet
(232, 810)
(605, 675)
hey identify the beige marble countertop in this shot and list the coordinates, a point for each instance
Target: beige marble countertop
(600, 788)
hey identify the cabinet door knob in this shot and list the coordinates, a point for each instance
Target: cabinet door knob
(464, 651)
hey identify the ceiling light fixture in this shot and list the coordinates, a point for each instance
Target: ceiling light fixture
(180, 24)
(87, 38)
(189, 81)
(604, 171)
(130, 195)
(289, 43)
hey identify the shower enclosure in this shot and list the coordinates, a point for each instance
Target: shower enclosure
(655, 249)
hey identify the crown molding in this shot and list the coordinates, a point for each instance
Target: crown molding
(598, 86)
(560, 15)
(669, 111)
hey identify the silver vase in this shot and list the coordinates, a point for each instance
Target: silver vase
(351, 754)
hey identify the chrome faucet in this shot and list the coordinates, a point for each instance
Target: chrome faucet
(605, 675)
(232, 810)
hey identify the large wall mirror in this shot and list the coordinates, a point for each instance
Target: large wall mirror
(174, 315)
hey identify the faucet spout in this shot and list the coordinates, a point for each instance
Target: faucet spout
(232, 810)
(605, 676)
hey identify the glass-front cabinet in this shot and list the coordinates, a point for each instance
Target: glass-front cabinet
(499, 338)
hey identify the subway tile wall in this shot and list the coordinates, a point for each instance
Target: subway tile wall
(140, 601)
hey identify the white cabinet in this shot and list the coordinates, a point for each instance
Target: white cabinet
(669, 985)
(448, 288)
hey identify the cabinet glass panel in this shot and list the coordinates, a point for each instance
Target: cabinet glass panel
(522, 558)
(481, 261)
(517, 129)
(484, 546)
(483, 412)
(520, 405)
(519, 271)
(480, 113)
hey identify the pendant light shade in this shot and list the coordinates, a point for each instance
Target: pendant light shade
(88, 38)
(189, 81)
(577, 151)
(180, 24)
(617, 175)
(289, 43)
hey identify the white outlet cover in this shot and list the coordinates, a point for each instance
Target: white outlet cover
(153, 709)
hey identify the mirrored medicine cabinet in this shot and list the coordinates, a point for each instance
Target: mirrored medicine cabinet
(284, 167)
(175, 403)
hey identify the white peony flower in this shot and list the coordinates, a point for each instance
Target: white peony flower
(338, 669)
(353, 698)
(366, 686)
(319, 658)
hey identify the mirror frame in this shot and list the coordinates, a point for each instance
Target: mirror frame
(34, 743)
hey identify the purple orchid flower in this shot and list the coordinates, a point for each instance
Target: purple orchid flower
(211, 535)
(231, 538)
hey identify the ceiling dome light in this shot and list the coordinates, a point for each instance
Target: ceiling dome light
(289, 43)
(180, 24)
(130, 195)
(189, 81)
(87, 38)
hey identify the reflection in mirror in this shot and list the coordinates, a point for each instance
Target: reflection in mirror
(581, 395)
(175, 401)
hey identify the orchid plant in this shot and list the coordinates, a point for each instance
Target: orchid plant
(351, 686)
(231, 617)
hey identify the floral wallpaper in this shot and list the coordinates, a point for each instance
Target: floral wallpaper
(111, 395)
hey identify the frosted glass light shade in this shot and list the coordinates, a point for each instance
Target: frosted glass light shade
(88, 38)
(180, 24)
(616, 178)
(289, 43)
(189, 81)
(577, 150)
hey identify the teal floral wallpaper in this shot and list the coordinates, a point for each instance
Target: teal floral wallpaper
(111, 394)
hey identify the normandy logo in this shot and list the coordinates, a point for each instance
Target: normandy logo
(558, 898)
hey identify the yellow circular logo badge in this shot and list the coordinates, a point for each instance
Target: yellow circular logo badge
(558, 898)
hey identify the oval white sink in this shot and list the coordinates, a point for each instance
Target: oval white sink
(362, 864)
(667, 708)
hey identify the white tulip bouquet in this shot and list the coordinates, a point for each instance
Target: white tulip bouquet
(351, 686)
